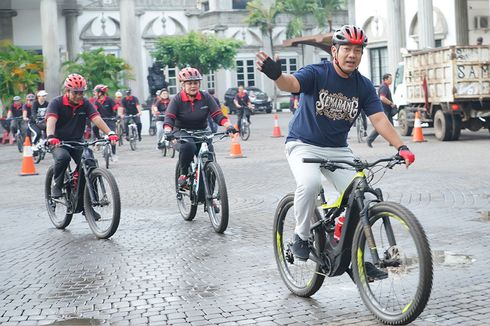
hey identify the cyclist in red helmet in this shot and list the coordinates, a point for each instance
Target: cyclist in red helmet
(189, 110)
(333, 94)
(65, 120)
(107, 108)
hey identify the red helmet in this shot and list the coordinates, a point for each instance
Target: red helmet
(101, 88)
(189, 73)
(350, 34)
(75, 82)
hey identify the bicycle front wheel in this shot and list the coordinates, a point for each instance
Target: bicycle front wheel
(185, 198)
(164, 149)
(401, 294)
(20, 142)
(132, 139)
(104, 211)
(217, 197)
(59, 209)
(303, 278)
(245, 131)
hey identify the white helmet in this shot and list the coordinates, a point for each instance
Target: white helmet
(42, 93)
(118, 94)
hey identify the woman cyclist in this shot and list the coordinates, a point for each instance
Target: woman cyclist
(189, 110)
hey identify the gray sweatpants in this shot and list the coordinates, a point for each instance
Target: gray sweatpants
(308, 178)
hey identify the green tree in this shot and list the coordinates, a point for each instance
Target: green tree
(99, 67)
(263, 18)
(324, 11)
(204, 52)
(20, 72)
(298, 10)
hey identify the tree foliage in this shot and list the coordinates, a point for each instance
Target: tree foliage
(20, 72)
(264, 18)
(99, 67)
(204, 52)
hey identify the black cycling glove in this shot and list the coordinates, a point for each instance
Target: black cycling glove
(231, 130)
(169, 136)
(272, 69)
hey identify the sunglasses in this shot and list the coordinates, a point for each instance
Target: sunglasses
(77, 92)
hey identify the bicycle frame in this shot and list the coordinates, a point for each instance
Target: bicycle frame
(197, 166)
(335, 258)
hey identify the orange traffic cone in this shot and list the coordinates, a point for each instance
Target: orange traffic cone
(276, 132)
(418, 136)
(236, 149)
(28, 167)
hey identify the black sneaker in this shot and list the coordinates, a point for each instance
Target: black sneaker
(301, 250)
(139, 138)
(56, 192)
(373, 273)
(369, 143)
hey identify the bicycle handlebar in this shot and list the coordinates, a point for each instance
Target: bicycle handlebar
(357, 164)
(74, 143)
(198, 135)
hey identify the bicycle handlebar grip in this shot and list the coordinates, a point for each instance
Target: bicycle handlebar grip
(313, 160)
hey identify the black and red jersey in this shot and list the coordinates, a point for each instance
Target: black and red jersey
(106, 106)
(130, 104)
(242, 99)
(184, 113)
(71, 118)
(161, 104)
(16, 110)
(28, 108)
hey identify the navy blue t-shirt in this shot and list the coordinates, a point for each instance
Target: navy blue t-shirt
(329, 104)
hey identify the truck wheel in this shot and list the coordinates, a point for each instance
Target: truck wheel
(443, 125)
(456, 132)
(405, 128)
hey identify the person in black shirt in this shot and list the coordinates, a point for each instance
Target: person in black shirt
(130, 105)
(107, 108)
(65, 120)
(15, 111)
(388, 106)
(38, 114)
(189, 110)
(243, 105)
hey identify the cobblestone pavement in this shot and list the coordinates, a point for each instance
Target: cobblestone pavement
(159, 269)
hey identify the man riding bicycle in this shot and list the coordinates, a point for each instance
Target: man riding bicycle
(65, 120)
(189, 110)
(39, 108)
(15, 111)
(333, 95)
(107, 108)
(243, 105)
(130, 105)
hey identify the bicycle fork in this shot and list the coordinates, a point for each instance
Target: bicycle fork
(368, 232)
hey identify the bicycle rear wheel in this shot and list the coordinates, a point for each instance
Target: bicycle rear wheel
(361, 132)
(102, 214)
(245, 131)
(301, 277)
(59, 209)
(399, 298)
(120, 134)
(185, 198)
(217, 197)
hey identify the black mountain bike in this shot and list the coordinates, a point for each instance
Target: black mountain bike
(205, 184)
(89, 190)
(382, 246)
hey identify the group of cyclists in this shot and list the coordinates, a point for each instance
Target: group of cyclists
(333, 95)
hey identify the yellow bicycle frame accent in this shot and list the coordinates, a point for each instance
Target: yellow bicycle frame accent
(341, 197)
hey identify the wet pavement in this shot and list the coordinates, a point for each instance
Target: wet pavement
(159, 269)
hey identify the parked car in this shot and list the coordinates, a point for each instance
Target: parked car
(260, 100)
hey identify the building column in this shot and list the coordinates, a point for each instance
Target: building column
(6, 28)
(131, 46)
(72, 44)
(50, 46)
(396, 38)
(351, 11)
(462, 31)
(426, 24)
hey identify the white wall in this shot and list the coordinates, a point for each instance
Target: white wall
(27, 29)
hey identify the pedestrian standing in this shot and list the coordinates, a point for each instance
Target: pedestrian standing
(388, 106)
